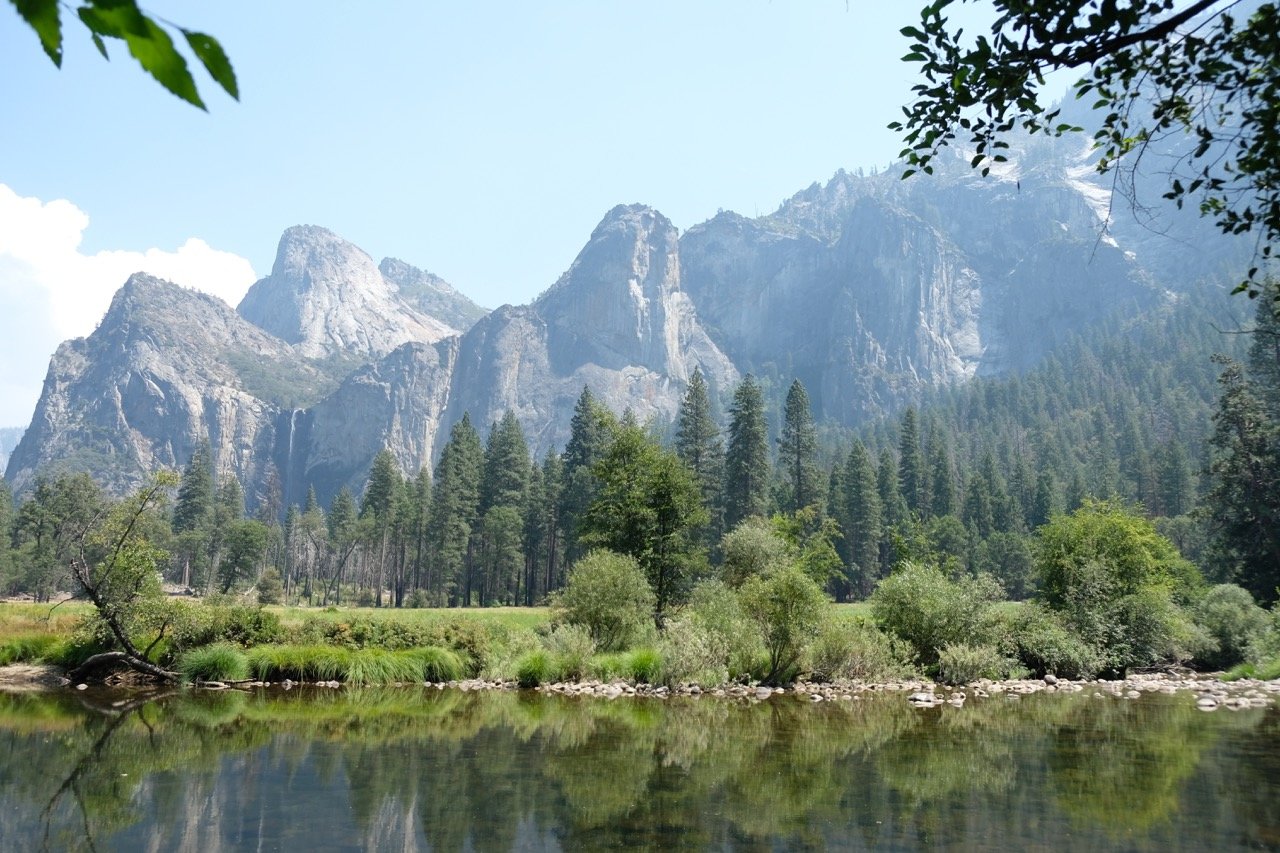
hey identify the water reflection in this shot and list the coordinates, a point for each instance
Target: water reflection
(447, 770)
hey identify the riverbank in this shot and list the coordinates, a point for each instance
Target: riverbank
(1212, 693)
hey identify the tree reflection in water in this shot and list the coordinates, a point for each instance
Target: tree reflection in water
(446, 769)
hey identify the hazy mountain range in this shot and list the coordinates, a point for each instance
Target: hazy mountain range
(867, 288)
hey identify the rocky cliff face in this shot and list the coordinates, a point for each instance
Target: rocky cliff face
(166, 368)
(874, 289)
(868, 289)
(327, 297)
(431, 294)
(618, 320)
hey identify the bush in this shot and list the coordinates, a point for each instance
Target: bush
(607, 594)
(750, 550)
(692, 653)
(270, 588)
(788, 607)
(196, 625)
(1045, 645)
(571, 648)
(734, 636)
(960, 663)
(1156, 632)
(216, 662)
(535, 668)
(850, 648)
(1233, 621)
(610, 667)
(921, 606)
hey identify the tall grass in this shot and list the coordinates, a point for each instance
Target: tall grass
(356, 667)
(29, 648)
(215, 662)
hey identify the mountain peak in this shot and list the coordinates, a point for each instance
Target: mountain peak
(326, 296)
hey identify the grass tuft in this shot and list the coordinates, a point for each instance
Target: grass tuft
(535, 668)
(645, 666)
(214, 662)
(436, 664)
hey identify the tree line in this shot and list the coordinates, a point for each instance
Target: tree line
(1140, 414)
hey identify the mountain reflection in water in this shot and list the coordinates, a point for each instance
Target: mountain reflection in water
(418, 769)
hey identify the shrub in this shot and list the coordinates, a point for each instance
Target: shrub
(270, 588)
(607, 594)
(921, 606)
(1156, 631)
(787, 606)
(645, 666)
(846, 647)
(1233, 621)
(202, 624)
(1045, 645)
(692, 653)
(750, 550)
(571, 648)
(734, 636)
(960, 663)
(535, 668)
(216, 662)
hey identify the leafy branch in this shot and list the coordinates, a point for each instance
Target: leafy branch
(146, 37)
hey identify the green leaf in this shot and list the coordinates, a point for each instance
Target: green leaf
(100, 45)
(42, 16)
(908, 173)
(155, 53)
(214, 60)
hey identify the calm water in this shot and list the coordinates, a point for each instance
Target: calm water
(412, 769)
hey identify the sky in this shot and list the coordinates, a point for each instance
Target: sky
(480, 141)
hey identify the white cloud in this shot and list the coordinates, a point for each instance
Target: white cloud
(50, 290)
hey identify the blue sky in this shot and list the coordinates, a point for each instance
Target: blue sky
(480, 141)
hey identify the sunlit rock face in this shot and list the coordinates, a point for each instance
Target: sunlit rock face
(166, 368)
(867, 288)
(326, 297)
(618, 321)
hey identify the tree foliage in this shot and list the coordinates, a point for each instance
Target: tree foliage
(146, 38)
(1152, 67)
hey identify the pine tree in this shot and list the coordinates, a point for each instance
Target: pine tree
(746, 488)
(941, 480)
(343, 539)
(648, 507)
(911, 473)
(454, 510)
(1244, 502)
(379, 508)
(699, 447)
(893, 509)
(194, 505)
(862, 525)
(498, 541)
(193, 516)
(590, 432)
(420, 513)
(798, 452)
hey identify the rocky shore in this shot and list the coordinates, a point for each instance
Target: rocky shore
(1212, 693)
